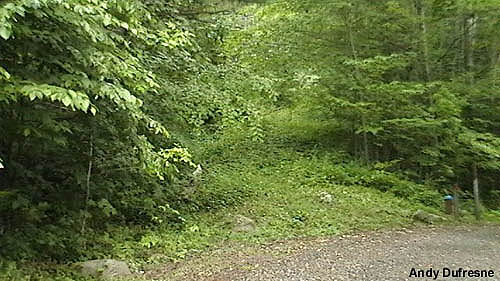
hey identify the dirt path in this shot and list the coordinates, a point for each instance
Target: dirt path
(388, 255)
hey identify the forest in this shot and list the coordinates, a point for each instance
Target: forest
(140, 129)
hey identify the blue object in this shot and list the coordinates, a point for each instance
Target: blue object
(448, 197)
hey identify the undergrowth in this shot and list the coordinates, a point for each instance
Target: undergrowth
(279, 181)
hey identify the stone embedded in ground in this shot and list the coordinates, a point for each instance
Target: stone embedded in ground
(192, 185)
(423, 216)
(158, 257)
(243, 224)
(325, 197)
(104, 268)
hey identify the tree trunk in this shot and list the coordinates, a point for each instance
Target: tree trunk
(365, 142)
(419, 6)
(355, 57)
(89, 174)
(469, 38)
(475, 188)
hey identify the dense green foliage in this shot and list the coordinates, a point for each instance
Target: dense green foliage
(85, 86)
(107, 107)
(412, 85)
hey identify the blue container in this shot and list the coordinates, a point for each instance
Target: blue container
(449, 207)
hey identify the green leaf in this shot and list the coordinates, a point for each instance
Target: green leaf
(66, 101)
(106, 20)
(5, 30)
(124, 25)
(32, 95)
(4, 73)
(85, 103)
(70, 98)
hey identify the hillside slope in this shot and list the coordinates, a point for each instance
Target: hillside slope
(299, 133)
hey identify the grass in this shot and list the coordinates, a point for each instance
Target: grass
(285, 176)
(278, 181)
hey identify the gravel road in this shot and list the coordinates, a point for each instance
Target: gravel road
(387, 255)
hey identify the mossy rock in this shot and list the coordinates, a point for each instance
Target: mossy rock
(104, 268)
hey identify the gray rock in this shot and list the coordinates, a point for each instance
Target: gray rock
(197, 173)
(193, 183)
(243, 224)
(104, 268)
(325, 197)
(426, 217)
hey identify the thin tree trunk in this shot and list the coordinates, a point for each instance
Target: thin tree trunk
(365, 142)
(460, 65)
(355, 56)
(469, 38)
(354, 137)
(419, 5)
(475, 188)
(87, 195)
(456, 202)
(469, 34)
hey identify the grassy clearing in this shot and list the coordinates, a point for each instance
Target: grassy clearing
(286, 175)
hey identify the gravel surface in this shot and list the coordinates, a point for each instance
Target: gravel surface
(387, 255)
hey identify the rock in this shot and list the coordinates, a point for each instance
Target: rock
(325, 197)
(426, 217)
(193, 183)
(243, 224)
(197, 173)
(104, 268)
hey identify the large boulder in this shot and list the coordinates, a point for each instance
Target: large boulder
(104, 268)
(243, 224)
(426, 217)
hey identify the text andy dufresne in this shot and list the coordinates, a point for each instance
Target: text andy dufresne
(451, 273)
